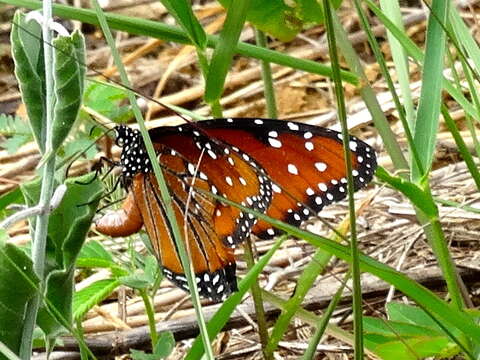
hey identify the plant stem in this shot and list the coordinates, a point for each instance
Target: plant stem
(9, 354)
(46, 192)
(83, 350)
(436, 237)
(151, 317)
(323, 323)
(342, 116)
(165, 195)
(258, 302)
(267, 78)
(203, 62)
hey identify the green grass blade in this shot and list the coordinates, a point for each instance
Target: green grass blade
(323, 323)
(462, 147)
(428, 114)
(161, 181)
(225, 49)
(267, 78)
(342, 117)
(392, 10)
(304, 284)
(218, 321)
(467, 41)
(182, 11)
(402, 113)
(158, 30)
(368, 95)
(414, 51)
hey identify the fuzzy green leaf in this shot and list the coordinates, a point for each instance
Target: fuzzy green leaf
(29, 69)
(67, 229)
(69, 74)
(18, 284)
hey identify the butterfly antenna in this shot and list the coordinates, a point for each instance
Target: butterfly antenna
(109, 79)
(82, 153)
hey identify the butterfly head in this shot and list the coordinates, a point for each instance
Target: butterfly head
(125, 136)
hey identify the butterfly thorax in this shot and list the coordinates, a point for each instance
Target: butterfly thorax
(134, 158)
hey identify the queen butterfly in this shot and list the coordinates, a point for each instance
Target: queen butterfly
(287, 170)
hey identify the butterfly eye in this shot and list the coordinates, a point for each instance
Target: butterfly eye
(119, 141)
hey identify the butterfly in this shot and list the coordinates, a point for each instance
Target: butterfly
(286, 170)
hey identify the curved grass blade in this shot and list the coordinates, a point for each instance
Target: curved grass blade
(225, 49)
(158, 30)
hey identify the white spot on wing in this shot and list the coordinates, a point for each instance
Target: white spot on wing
(321, 166)
(292, 169)
(274, 143)
(292, 126)
(353, 145)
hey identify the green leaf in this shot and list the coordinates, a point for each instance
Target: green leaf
(412, 191)
(17, 131)
(182, 11)
(12, 197)
(284, 19)
(13, 125)
(67, 229)
(165, 344)
(163, 348)
(69, 74)
(105, 99)
(395, 329)
(138, 280)
(29, 69)
(14, 143)
(92, 295)
(94, 250)
(78, 145)
(401, 340)
(411, 314)
(428, 113)
(18, 284)
(224, 51)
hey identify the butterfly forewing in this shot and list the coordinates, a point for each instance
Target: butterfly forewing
(229, 173)
(304, 163)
